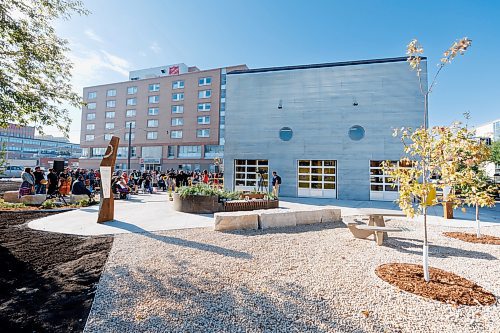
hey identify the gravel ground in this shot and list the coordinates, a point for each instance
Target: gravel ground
(315, 278)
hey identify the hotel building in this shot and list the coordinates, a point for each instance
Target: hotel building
(175, 116)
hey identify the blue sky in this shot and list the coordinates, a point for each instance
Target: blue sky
(119, 36)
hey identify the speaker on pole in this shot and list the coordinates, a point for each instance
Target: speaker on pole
(58, 166)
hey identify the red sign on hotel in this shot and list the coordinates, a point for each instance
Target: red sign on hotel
(174, 70)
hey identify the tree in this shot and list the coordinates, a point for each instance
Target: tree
(35, 72)
(473, 184)
(495, 153)
(424, 142)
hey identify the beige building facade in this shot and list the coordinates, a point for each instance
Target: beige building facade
(175, 116)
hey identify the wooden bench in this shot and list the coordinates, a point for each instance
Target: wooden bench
(376, 226)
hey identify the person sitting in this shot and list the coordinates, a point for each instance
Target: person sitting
(122, 188)
(28, 183)
(79, 187)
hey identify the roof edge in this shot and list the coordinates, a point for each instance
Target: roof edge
(330, 64)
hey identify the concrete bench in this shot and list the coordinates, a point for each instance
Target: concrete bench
(274, 218)
(11, 196)
(74, 198)
(36, 199)
(236, 221)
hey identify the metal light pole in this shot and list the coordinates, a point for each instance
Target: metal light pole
(129, 148)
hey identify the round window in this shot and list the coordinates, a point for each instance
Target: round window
(356, 133)
(286, 133)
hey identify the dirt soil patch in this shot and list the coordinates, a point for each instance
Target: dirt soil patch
(472, 238)
(443, 286)
(47, 280)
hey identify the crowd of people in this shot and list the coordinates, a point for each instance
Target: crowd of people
(83, 181)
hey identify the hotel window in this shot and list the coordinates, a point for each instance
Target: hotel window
(153, 99)
(132, 137)
(213, 151)
(90, 116)
(110, 114)
(152, 135)
(177, 84)
(109, 126)
(153, 111)
(177, 121)
(111, 104)
(189, 151)
(130, 113)
(91, 106)
(223, 79)
(223, 93)
(90, 127)
(89, 137)
(98, 152)
(91, 95)
(176, 134)
(131, 90)
(108, 136)
(205, 81)
(131, 101)
(204, 120)
(128, 123)
(154, 87)
(203, 133)
(178, 97)
(204, 106)
(153, 123)
(85, 152)
(171, 152)
(111, 93)
(177, 108)
(204, 93)
(223, 106)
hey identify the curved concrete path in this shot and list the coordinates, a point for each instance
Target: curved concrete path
(153, 212)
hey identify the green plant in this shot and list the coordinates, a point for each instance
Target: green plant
(48, 204)
(10, 205)
(84, 203)
(198, 189)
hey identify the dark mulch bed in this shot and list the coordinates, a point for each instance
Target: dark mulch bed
(443, 286)
(472, 238)
(47, 280)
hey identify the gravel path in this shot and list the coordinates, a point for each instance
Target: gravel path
(315, 278)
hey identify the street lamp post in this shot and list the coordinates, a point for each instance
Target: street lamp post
(129, 148)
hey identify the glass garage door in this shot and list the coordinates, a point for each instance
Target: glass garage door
(317, 178)
(247, 176)
(381, 186)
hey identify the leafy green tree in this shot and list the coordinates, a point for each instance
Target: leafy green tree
(495, 152)
(35, 72)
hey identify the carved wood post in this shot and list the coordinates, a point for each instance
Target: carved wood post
(107, 204)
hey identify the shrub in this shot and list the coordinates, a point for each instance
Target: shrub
(10, 205)
(48, 204)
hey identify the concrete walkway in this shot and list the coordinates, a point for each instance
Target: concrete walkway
(146, 212)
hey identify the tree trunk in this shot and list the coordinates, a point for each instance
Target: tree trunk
(478, 223)
(425, 249)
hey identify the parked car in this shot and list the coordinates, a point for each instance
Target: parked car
(12, 171)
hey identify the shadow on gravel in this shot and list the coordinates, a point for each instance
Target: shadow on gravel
(181, 242)
(414, 246)
(290, 230)
(179, 299)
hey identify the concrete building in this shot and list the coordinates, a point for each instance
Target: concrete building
(325, 128)
(24, 148)
(491, 133)
(177, 115)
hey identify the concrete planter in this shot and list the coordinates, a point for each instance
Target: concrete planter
(253, 195)
(198, 204)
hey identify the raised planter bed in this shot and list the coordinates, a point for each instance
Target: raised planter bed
(252, 195)
(204, 204)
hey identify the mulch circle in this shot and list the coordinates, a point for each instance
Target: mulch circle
(472, 238)
(443, 286)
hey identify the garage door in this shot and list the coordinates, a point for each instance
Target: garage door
(247, 175)
(317, 178)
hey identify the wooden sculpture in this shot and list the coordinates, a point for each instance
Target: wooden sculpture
(107, 204)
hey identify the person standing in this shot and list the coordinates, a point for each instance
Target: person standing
(276, 182)
(28, 183)
(53, 182)
(39, 181)
(65, 182)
